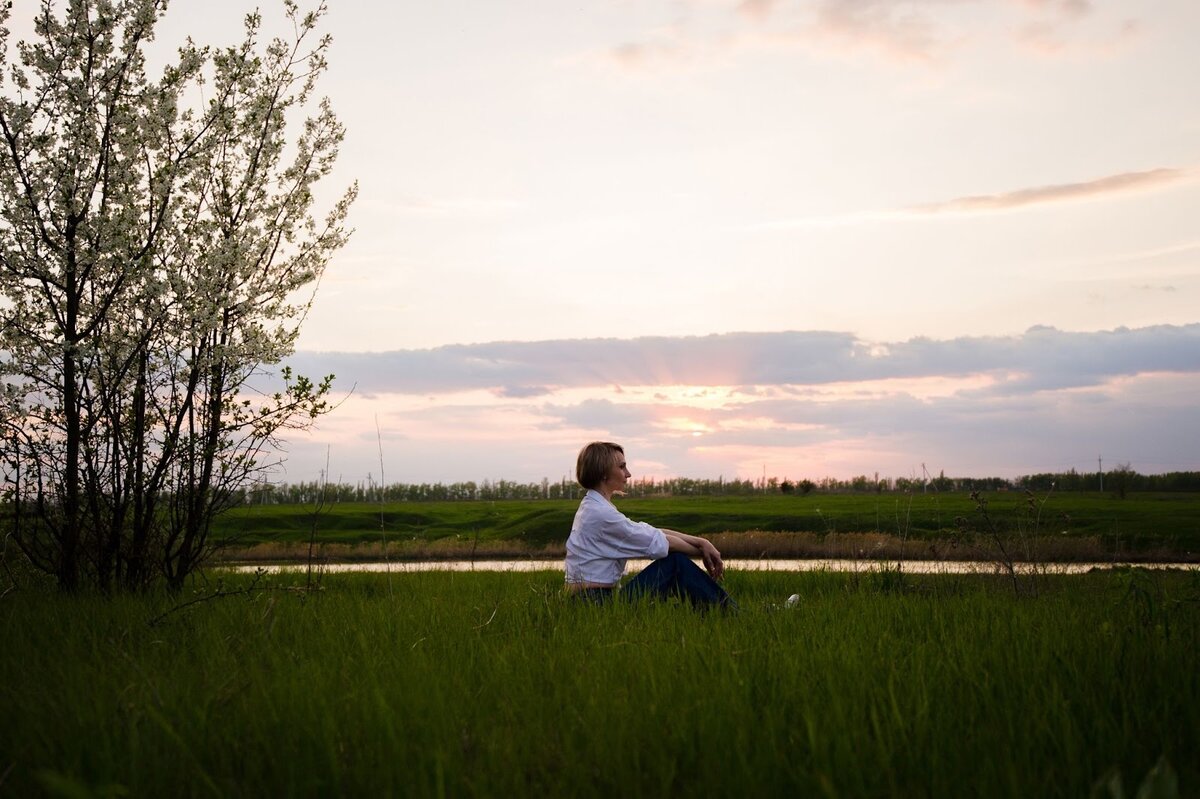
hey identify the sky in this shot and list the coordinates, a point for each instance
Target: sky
(806, 239)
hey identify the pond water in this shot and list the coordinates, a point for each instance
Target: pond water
(784, 565)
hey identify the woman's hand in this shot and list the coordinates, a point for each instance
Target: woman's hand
(712, 559)
(694, 546)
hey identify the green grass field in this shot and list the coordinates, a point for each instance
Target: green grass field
(441, 684)
(1167, 521)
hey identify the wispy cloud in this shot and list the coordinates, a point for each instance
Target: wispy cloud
(1107, 186)
(913, 32)
(1062, 192)
(1061, 37)
(1070, 8)
(635, 56)
(900, 30)
(758, 10)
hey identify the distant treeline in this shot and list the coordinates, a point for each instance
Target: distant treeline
(1117, 481)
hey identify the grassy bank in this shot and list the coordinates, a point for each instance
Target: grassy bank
(1075, 526)
(484, 684)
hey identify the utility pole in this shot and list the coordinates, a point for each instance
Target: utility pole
(1100, 464)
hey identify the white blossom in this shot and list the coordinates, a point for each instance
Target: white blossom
(158, 248)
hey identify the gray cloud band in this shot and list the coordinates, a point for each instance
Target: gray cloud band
(1043, 357)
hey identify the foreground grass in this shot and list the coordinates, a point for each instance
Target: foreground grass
(484, 684)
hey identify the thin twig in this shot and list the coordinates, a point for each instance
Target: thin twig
(387, 564)
(218, 594)
(489, 621)
(290, 589)
(312, 537)
(1005, 559)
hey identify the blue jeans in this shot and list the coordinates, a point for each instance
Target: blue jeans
(677, 575)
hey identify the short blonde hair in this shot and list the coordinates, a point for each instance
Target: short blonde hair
(594, 462)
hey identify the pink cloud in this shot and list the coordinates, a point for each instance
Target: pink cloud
(921, 32)
(1037, 195)
(757, 10)
(896, 30)
(1070, 8)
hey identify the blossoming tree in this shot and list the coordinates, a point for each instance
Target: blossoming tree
(159, 248)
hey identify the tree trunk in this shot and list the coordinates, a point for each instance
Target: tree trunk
(136, 557)
(68, 565)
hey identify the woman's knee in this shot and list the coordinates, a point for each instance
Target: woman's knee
(677, 561)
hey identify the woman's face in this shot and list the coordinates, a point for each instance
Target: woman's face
(617, 475)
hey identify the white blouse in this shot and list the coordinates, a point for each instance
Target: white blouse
(602, 538)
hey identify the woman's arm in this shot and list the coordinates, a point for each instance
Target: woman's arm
(696, 547)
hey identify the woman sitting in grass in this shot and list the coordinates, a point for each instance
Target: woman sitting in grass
(602, 538)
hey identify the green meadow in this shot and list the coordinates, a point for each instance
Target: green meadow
(1074, 525)
(482, 684)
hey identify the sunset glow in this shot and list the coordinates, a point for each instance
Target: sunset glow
(814, 239)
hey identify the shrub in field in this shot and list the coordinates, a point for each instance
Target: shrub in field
(158, 248)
